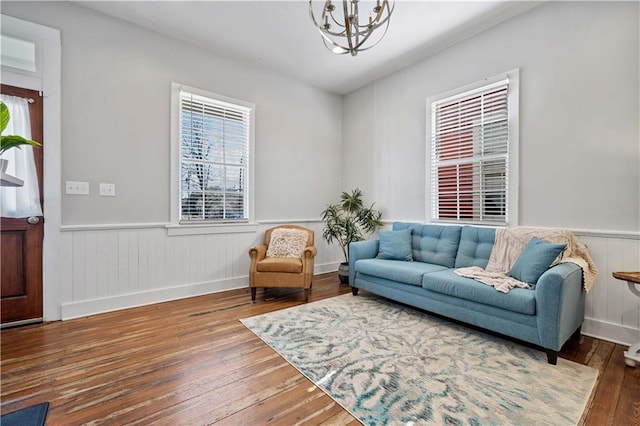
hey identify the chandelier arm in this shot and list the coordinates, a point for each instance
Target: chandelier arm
(376, 22)
(366, 35)
(329, 43)
(355, 16)
(340, 34)
(319, 26)
(383, 21)
(376, 42)
(313, 18)
(333, 18)
(389, 12)
(324, 14)
(332, 46)
(347, 26)
(364, 40)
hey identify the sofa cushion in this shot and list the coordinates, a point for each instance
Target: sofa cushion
(395, 245)
(434, 244)
(397, 270)
(475, 246)
(536, 258)
(447, 282)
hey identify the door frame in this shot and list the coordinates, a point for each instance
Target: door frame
(48, 81)
(25, 304)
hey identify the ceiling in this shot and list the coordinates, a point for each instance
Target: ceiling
(280, 35)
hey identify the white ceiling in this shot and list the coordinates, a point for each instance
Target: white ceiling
(280, 35)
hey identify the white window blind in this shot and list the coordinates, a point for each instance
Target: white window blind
(214, 158)
(469, 156)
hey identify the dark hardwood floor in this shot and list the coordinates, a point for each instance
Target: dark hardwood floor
(191, 362)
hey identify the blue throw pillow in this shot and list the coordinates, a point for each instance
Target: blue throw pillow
(536, 258)
(395, 245)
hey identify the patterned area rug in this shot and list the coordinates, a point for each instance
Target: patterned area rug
(390, 364)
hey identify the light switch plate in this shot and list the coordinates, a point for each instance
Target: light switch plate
(76, 188)
(107, 190)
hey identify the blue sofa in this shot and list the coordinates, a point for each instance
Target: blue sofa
(546, 315)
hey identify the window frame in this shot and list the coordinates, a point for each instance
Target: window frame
(180, 227)
(512, 163)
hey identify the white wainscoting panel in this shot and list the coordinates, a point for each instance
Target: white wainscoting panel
(116, 267)
(111, 268)
(612, 311)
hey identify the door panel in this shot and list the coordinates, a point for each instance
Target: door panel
(21, 271)
(21, 242)
(12, 263)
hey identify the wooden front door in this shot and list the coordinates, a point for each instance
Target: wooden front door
(21, 240)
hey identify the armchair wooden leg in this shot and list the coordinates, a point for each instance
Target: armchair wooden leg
(253, 294)
(306, 295)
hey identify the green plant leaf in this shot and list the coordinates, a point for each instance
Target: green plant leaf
(352, 202)
(14, 141)
(348, 220)
(4, 116)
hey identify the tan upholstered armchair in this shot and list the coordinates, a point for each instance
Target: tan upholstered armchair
(288, 262)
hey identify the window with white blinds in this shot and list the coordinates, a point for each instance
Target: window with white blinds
(470, 152)
(214, 139)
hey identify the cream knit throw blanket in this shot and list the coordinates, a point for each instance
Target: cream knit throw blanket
(510, 243)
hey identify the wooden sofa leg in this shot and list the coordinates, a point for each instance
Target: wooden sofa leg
(306, 295)
(577, 333)
(253, 294)
(354, 291)
(552, 357)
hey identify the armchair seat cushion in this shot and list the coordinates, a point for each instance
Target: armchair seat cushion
(280, 264)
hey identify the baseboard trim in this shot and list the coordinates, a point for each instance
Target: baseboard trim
(326, 268)
(610, 332)
(102, 305)
(133, 300)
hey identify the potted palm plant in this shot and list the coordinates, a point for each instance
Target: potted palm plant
(9, 141)
(348, 221)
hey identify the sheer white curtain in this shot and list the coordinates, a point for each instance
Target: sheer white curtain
(21, 201)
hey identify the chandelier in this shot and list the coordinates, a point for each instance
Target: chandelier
(344, 31)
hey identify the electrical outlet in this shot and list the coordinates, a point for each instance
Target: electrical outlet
(107, 190)
(77, 188)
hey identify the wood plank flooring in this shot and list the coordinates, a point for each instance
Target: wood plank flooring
(191, 362)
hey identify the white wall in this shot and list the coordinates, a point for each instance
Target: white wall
(579, 146)
(116, 116)
(579, 136)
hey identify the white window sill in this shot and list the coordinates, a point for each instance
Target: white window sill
(211, 228)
